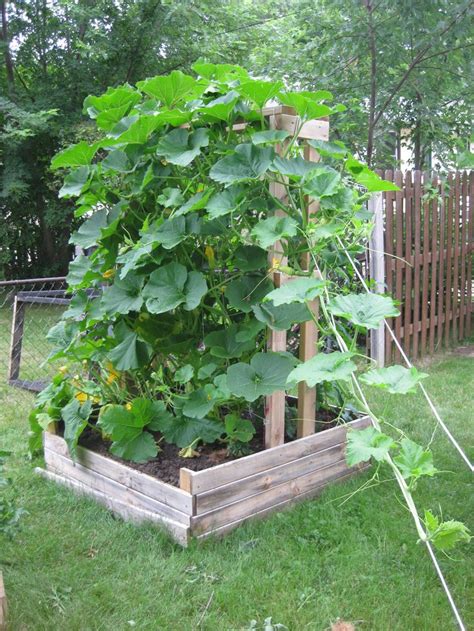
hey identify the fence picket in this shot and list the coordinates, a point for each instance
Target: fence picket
(425, 259)
(416, 260)
(464, 244)
(434, 263)
(389, 260)
(455, 308)
(441, 282)
(470, 254)
(399, 263)
(407, 307)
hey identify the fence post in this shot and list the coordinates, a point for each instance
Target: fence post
(377, 274)
(18, 320)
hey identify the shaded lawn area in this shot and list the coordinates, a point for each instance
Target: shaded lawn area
(73, 566)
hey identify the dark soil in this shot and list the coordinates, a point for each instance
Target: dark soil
(168, 462)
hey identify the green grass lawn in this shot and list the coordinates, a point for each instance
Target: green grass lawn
(74, 567)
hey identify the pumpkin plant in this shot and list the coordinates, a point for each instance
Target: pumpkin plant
(171, 296)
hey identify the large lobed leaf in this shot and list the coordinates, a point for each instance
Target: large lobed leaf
(366, 310)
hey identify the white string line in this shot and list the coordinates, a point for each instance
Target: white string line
(402, 484)
(445, 587)
(410, 365)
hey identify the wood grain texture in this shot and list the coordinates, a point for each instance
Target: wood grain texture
(131, 478)
(63, 465)
(129, 513)
(284, 505)
(260, 482)
(201, 481)
(289, 490)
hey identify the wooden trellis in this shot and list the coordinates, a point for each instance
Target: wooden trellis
(284, 118)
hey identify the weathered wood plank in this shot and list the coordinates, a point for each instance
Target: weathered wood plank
(449, 261)
(457, 215)
(441, 272)
(426, 268)
(388, 248)
(285, 491)
(131, 478)
(464, 246)
(470, 237)
(407, 307)
(416, 264)
(201, 481)
(434, 266)
(260, 482)
(260, 514)
(110, 487)
(134, 514)
(398, 179)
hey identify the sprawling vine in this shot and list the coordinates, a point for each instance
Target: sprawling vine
(172, 296)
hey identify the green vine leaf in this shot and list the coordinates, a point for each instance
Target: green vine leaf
(181, 147)
(260, 91)
(297, 290)
(74, 156)
(322, 182)
(270, 136)
(246, 163)
(226, 343)
(130, 353)
(75, 183)
(172, 285)
(171, 89)
(250, 258)
(182, 431)
(225, 202)
(307, 107)
(445, 535)
(414, 461)
(200, 402)
(293, 167)
(75, 417)
(123, 296)
(238, 428)
(366, 310)
(335, 150)
(247, 291)
(268, 231)
(280, 318)
(184, 374)
(334, 366)
(171, 232)
(395, 379)
(362, 445)
(266, 373)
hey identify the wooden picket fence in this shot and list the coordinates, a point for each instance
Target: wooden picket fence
(428, 244)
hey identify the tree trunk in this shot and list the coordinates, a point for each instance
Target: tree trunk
(6, 46)
(373, 80)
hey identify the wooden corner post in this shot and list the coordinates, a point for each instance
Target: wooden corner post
(284, 118)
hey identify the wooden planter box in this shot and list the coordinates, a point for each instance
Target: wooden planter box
(212, 501)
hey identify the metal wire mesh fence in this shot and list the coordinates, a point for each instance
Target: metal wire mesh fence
(28, 309)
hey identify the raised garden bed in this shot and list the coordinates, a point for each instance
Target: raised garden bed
(210, 501)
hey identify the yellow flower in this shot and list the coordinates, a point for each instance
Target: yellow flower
(276, 263)
(63, 370)
(113, 374)
(128, 406)
(82, 397)
(209, 254)
(108, 273)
